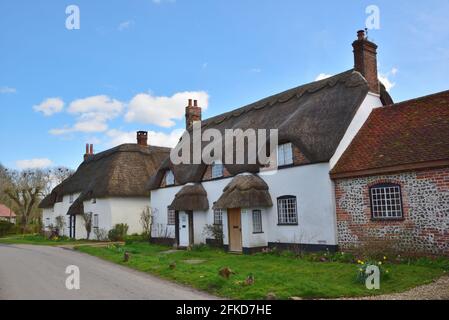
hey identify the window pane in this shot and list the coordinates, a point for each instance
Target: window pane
(217, 170)
(287, 213)
(171, 219)
(218, 217)
(257, 221)
(386, 201)
(169, 178)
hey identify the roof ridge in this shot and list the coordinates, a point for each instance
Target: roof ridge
(269, 101)
(415, 99)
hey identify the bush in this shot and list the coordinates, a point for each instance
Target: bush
(6, 228)
(101, 234)
(118, 233)
(136, 238)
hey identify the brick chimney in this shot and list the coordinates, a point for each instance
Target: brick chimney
(365, 60)
(193, 113)
(89, 151)
(142, 138)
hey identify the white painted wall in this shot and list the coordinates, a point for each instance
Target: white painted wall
(110, 211)
(316, 213)
(371, 102)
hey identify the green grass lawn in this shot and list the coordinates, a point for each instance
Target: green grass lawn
(39, 240)
(282, 274)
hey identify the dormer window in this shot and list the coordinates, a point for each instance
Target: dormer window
(217, 170)
(169, 178)
(285, 154)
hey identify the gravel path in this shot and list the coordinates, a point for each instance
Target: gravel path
(438, 290)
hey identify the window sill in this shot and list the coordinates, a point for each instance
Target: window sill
(287, 224)
(387, 219)
(259, 232)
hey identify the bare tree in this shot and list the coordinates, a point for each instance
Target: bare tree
(146, 220)
(25, 190)
(88, 223)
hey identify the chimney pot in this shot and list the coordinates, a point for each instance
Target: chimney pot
(91, 152)
(361, 35)
(365, 60)
(193, 113)
(142, 138)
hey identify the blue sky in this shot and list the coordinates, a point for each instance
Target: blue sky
(132, 64)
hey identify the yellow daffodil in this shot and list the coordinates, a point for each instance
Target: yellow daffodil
(385, 258)
(380, 263)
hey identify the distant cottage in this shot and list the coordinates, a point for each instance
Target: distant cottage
(111, 185)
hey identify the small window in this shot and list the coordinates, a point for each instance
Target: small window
(95, 221)
(47, 222)
(386, 201)
(285, 154)
(71, 198)
(218, 217)
(257, 221)
(169, 178)
(287, 210)
(217, 170)
(94, 200)
(171, 217)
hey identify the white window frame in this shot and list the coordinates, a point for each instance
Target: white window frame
(71, 198)
(285, 154)
(257, 221)
(171, 217)
(386, 201)
(169, 178)
(96, 221)
(218, 217)
(217, 170)
(287, 210)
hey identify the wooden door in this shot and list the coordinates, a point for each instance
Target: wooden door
(235, 230)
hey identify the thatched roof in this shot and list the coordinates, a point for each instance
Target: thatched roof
(191, 197)
(77, 207)
(122, 171)
(314, 117)
(245, 191)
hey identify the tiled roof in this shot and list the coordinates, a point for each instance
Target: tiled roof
(410, 134)
(6, 212)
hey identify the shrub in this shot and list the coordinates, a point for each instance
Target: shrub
(118, 233)
(136, 238)
(101, 234)
(6, 228)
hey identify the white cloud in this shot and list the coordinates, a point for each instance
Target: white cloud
(49, 106)
(323, 76)
(385, 78)
(5, 90)
(125, 25)
(92, 114)
(118, 137)
(162, 111)
(40, 163)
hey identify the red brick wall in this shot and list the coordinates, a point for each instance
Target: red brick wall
(425, 223)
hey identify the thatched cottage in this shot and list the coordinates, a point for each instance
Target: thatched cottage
(110, 185)
(295, 206)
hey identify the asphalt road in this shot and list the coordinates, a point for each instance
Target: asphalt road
(39, 272)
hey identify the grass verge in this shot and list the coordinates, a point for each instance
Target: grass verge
(282, 274)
